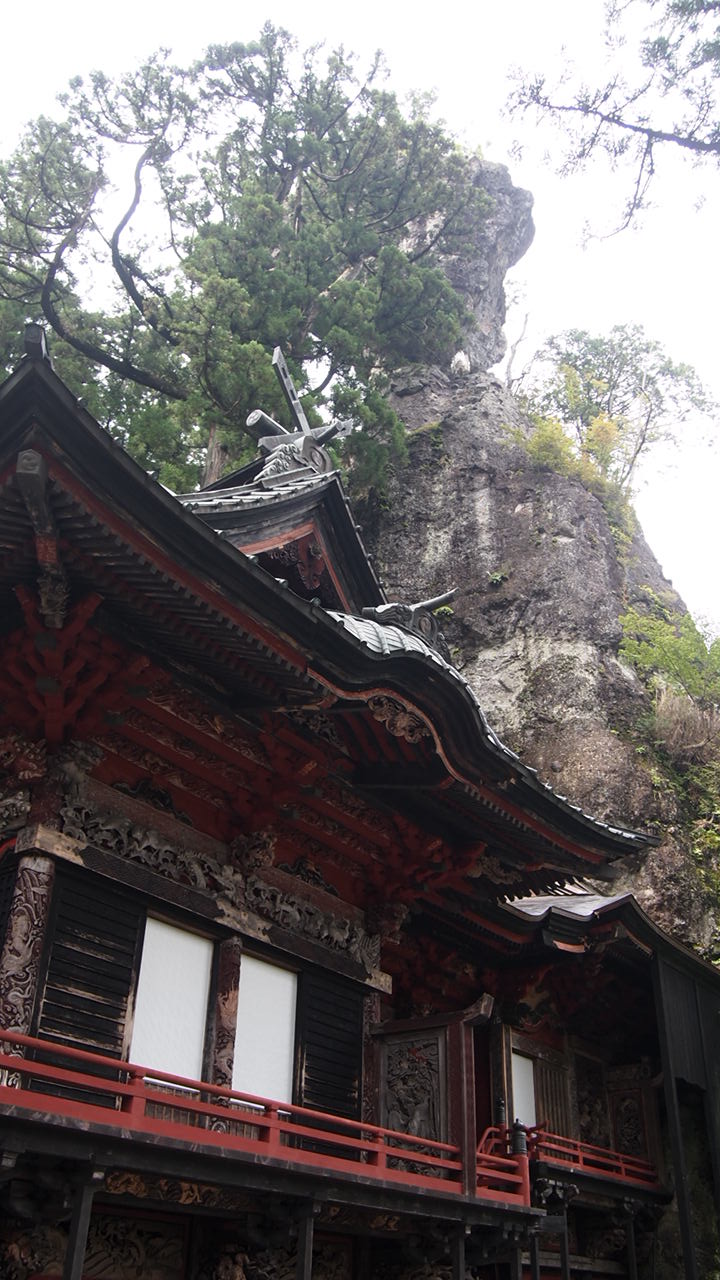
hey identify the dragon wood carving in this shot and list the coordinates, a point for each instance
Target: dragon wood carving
(199, 871)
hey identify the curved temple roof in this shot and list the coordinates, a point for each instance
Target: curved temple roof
(390, 640)
(166, 548)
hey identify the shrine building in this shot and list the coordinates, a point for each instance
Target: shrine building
(300, 973)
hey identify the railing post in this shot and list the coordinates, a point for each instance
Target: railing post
(269, 1130)
(134, 1102)
(378, 1157)
(520, 1151)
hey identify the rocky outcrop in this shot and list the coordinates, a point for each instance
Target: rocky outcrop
(535, 628)
(505, 235)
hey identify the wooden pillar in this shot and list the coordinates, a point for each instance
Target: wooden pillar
(630, 1243)
(223, 1019)
(79, 1224)
(461, 1090)
(565, 1252)
(516, 1264)
(534, 1257)
(22, 948)
(363, 1269)
(306, 1230)
(458, 1255)
(677, 1146)
(708, 1012)
(711, 1113)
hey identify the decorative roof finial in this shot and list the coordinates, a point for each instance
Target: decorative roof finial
(36, 347)
(290, 451)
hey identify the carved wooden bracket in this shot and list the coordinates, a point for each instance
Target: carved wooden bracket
(398, 719)
(53, 590)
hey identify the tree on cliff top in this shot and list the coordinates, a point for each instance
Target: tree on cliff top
(173, 225)
(664, 95)
(617, 395)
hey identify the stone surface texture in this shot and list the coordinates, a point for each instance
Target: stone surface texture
(542, 583)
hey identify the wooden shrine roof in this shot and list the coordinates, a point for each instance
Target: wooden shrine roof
(257, 518)
(381, 745)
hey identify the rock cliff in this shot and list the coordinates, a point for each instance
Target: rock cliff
(506, 234)
(542, 583)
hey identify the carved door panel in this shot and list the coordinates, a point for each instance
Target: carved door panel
(7, 888)
(414, 1084)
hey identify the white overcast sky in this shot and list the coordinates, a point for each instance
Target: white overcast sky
(664, 275)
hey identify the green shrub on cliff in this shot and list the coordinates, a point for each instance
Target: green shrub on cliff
(682, 668)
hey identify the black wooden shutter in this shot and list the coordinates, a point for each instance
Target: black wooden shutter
(91, 964)
(551, 1096)
(329, 1045)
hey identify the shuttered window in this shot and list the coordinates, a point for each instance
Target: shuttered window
(551, 1097)
(329, 1044)
(540, 1092)
(299, 1036)
(171, 1000)
(91, 964)
(523, 1088)
(265, 1033)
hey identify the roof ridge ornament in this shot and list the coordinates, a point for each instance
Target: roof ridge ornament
(295, 451)
(418, 619)
(35, 343)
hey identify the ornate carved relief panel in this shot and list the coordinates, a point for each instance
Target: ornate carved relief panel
(414, 1084)
(591, 1101)
(633, 1110)
(23, 943)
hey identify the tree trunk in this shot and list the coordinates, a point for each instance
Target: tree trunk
(215, 458)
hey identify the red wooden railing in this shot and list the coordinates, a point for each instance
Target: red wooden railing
(63, 1082)
(495, 1158)
(584, 1158)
